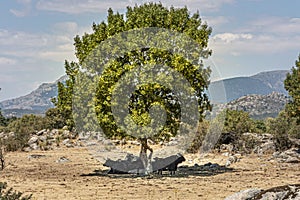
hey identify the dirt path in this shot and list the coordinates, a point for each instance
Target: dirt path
(47, 179)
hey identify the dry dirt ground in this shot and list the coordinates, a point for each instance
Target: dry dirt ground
(83, 177)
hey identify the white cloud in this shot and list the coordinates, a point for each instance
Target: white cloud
(69, 27)
(230, 37)
(56, 45)
(19, 39)
(215, 21)
(267, 36)
(274, 25)
(26, 4)
(79, 6)
(201, 5)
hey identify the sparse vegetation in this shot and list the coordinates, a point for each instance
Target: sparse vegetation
(199, 137)
(2, 158)
(10, 194)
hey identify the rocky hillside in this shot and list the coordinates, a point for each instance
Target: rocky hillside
(263, 83)
(258, 106)
(37, 102)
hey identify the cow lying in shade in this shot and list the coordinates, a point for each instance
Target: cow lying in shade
(167, 164)
(133, 164)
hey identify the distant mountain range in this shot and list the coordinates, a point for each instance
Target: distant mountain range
(264, 83)
(37, 102)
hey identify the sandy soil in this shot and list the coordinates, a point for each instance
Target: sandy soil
(83, 177)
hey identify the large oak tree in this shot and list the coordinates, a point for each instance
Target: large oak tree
(146, 95)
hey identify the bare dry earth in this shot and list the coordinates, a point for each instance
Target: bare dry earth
(47, 179)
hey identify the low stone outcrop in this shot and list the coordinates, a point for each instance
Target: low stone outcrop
(286, 192)
(289, 156)
(49, 139)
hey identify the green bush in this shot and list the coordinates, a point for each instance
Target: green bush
(259, 126)
(199, 138)
(55, 119)
(22, 128)
(237, 121)
(28, 124)
(294, 131)
(9, 194)
(16, 142)
(279, 127)
(3, 120)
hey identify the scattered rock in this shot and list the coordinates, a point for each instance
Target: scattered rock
(62, 160)
(172, 143)
(107, 143)
(69, 145)
(244, 194)
(289, 156)
(36, 156)
(66, 141)
(267, 147)
(288, 192)
(46, 139)
(41, 132)
(32, 140)
(43, 138)
(34, 146)
(280, 193)
(231, 160)
(136, 143)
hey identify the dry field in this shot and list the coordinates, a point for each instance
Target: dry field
(78, 179)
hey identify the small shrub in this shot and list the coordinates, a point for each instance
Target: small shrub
(294, 131)
(16, 142)
(237, 121)
(22, 128)
(9, 194)
(200, 135)
(279, 128)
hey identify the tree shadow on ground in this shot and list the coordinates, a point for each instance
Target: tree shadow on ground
(208, 169)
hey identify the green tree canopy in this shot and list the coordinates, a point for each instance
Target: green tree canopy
(146, 95)
(292, 85)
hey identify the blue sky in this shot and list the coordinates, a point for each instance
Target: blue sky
(36, 36)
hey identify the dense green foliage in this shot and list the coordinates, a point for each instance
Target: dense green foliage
(292, 85)
(146, 95)
(279, 127)
(237, 121)
(61, 115)
(9, 194)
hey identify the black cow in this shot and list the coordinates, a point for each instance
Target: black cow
(133, 164)
(130, 164)
(167, 164)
